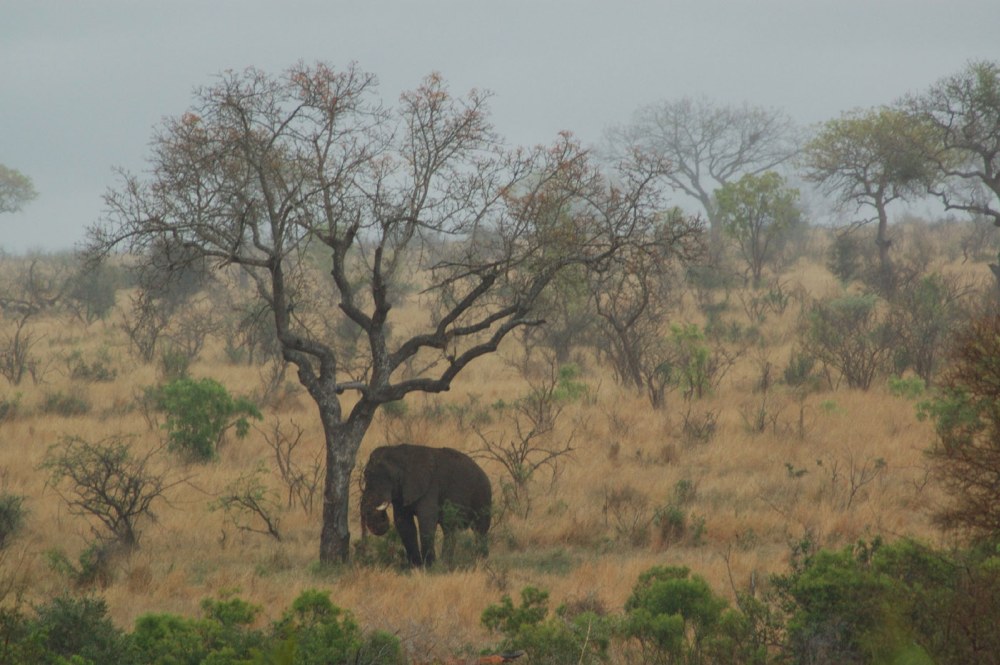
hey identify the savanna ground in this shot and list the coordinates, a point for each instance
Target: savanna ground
(771, 468)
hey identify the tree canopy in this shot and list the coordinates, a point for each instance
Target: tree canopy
(709, 144)
(294, 175)
(755, 211)
(869, 159)
(962, 114)
(16, 190)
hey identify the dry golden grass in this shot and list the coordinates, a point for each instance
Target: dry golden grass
(806, 475)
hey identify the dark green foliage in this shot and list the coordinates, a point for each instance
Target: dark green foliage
(97, 370)
(905, 602)
(199, 413)
(671, 617)
(800, 371)
(846, 257)
(384, 551)
(222, 636)
(315, 632)
(67, 626)
(966, 414)
(583, 638)
(871, 603)
(91, 293)
(65, 404)
(93, 567)
(12, 514)
(927, 313)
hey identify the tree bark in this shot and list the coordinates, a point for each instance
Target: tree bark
(343, 440)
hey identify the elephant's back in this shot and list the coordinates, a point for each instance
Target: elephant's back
(466, 473)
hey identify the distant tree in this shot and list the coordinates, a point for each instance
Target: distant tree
(709, 144)
(632, 297)
(852, 335)
(963, 114)
(16, 189)
(756, 211)
(870, 159)
(271, 174)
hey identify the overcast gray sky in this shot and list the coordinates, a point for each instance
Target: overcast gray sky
(83, 82)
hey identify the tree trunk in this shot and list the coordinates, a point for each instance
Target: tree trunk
(343, 440)
(882, 241)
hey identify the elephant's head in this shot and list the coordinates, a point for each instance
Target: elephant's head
(391, 474)
(382, 478)
(375, 500)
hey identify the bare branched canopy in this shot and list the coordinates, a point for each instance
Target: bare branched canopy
(304, 173)
(963, 114)
(709, 145)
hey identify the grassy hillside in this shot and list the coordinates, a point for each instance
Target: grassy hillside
(724, 484)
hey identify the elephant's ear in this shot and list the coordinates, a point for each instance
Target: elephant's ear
(416, 480)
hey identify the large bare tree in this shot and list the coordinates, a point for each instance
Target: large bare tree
(709, 144)
(963, 114)
(306, 173)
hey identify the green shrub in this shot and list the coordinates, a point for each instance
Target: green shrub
(666, 605)
(9, 407)
(70, 627)
(92, 569)
(199, 413)
(221, 637)
(849, 606)
(315, 632)
(12, 515)
(63, 404)
(95, 371)
(584, 638)
(174, 364)
(852, 334)
(673, 617)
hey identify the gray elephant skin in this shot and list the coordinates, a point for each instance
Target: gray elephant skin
(431, 486)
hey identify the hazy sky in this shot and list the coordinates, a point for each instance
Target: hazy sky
(83, 82)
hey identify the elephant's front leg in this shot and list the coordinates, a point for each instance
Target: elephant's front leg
(428, 520)
(407, 530)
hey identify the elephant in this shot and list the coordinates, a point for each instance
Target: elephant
(435, 486)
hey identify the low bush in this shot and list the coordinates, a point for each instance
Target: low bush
(199, 413)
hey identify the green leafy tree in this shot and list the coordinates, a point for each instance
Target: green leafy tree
(16, 189)
(756, 211)
(869, 159)
(199, 413)
(268, 173)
